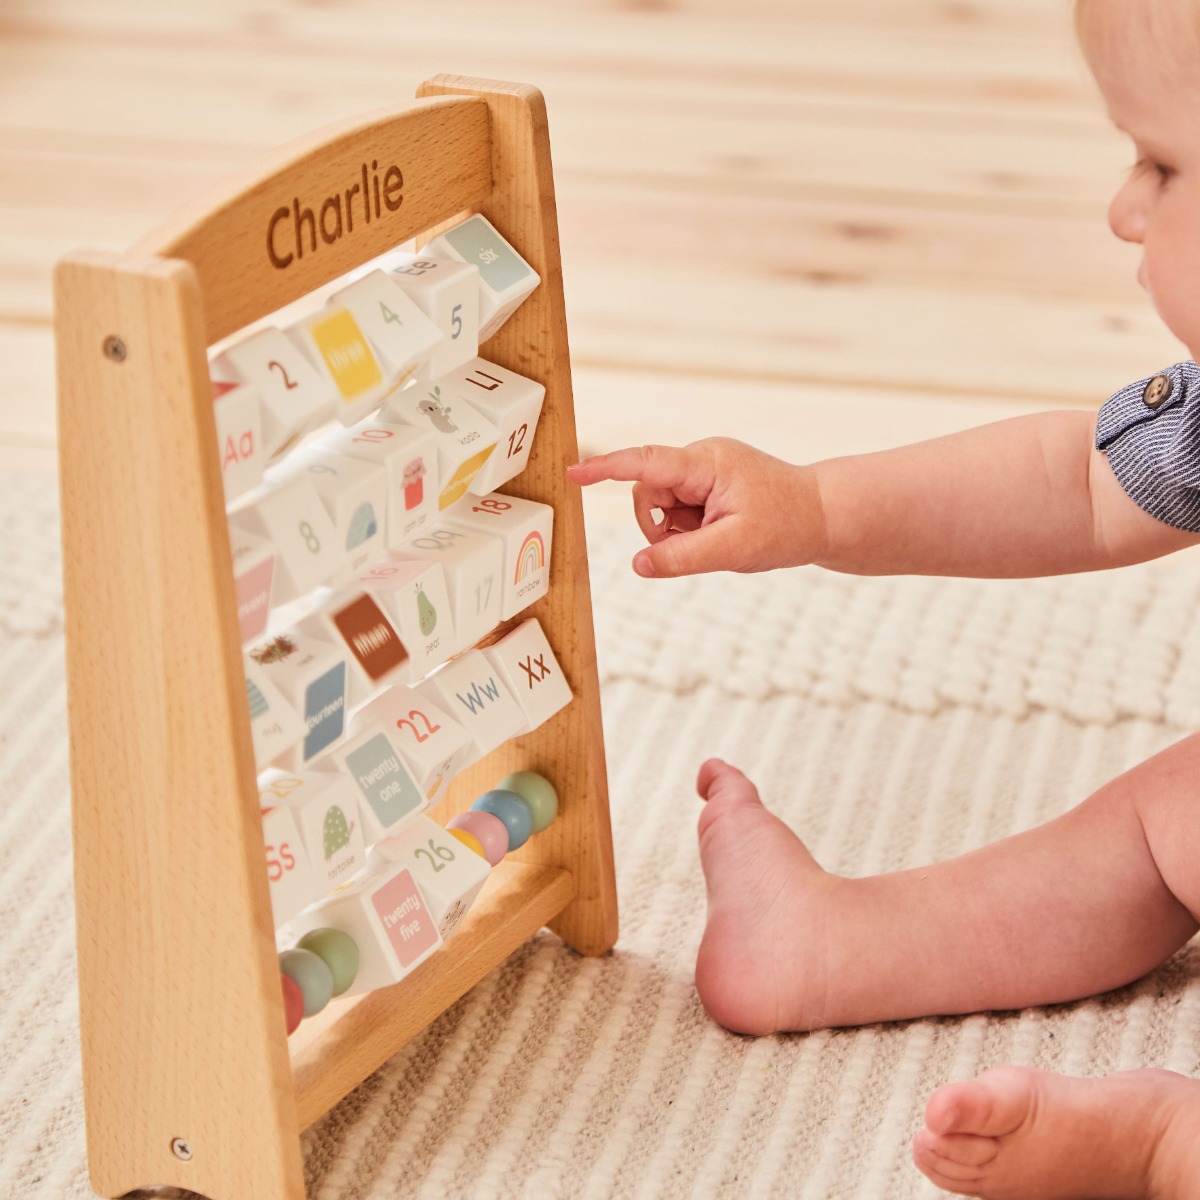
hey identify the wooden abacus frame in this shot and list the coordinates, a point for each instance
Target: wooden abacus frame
(189, 1079)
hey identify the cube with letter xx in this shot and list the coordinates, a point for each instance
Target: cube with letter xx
(527, 664)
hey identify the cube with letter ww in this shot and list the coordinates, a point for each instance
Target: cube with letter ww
(525, 661)
(471, 690)
(386, 915)
(449, 875)
(388, 794)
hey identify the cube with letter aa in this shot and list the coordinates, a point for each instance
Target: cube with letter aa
(386, 915)
(525, 527)
(236, 409)
(447, 291)
(524, 660)
(449, 875)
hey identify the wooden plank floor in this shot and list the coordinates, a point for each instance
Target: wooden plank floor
(815, 224)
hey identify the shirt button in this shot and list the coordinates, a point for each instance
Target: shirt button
(1157, 390)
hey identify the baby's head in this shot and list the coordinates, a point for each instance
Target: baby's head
(1144, 55)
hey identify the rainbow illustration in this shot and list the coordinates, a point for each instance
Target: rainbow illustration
(531, 557)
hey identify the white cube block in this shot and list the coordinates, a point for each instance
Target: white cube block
(311, 675)
(447, 292)
(325, 806)
(253, 569)
(337, 346)
(465, 437)
(355, 494)
(410, 458)
(413, 595)
(526, 663)
(449, 875)
(308, 549)
(526, 528)
(386, 915)
(505, 278)
(471, 690)
(434, 745)
(512, 403)
(377, 653)
(401, 334)
(388, 794)
(295, 396)
(294, 885)
(239, 437)
(275, 725)
(473, 563)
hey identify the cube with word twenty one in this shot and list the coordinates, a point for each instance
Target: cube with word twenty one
(449, 875)
(388, 794)
(386, 915)
(525, 529)
(526, 663)
(447, 292)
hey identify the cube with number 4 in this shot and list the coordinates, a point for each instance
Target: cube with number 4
(449, 875)
(401, 334)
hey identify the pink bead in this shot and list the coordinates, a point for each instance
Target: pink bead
(489, 829)
(293, 1003)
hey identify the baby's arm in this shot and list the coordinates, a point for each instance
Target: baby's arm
(1017, 498)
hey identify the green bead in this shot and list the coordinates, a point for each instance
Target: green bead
(311, 976)
(338, 950)
(537, 791)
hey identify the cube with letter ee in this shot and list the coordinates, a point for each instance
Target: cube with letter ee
(527, 664)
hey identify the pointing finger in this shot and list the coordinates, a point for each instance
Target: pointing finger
(660, 466)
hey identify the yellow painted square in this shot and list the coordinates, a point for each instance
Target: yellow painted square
(346, 354)
(461, 480)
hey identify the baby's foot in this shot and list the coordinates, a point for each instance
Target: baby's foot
(762, 964)
(1020, 1134)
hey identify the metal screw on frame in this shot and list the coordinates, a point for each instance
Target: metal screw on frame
(114, 349)
(181, 1149)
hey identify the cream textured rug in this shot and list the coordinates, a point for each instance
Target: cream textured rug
(890, 721)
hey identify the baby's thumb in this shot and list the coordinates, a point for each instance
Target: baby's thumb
(710, 548)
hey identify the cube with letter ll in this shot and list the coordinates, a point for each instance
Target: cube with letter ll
(465, 438)
(505, 278)
(470, 689)
(388, 794)
(512, 403)
(294, 885)
(386, 915)
(413, 594)
(275, 726)
(355, 494)
(473, 562)
(433, 744)
(295, 396)
(526, 528)
(311, 674)
(446, 290)
(401, 334)
(291, 515)
(239, 437)
(325, 806)
(527, 664)
(410, 458)
(377, 653)
(253, 569)
(449, 875)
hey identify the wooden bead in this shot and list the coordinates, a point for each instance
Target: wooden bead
(469, 840)
(537, 791)
(512, 810)
(339, 952)
(488, 828)
(293, 1002)
(311, 975)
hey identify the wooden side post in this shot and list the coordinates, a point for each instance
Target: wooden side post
(568, 749)
(185, 1062)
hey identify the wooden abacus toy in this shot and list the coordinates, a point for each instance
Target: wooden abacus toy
(190, 1078)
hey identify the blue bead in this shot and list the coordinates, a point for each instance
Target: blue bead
(513, 810)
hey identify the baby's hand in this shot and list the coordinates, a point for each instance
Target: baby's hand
(725, 506)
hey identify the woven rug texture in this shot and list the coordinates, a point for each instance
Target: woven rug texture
(891, 722)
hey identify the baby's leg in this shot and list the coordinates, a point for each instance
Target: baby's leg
(1085, 903)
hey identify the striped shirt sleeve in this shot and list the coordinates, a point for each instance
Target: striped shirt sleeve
(1150, 431)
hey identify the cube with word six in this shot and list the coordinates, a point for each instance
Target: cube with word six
(505, 278)
(401, 334)
(447, 292)
(525, 527)
(470, 689)
(388, 794)
(434, 746)
(413, 595)
(449, 875)
(237, 412)
(325, 806)
(386, 915)
(512, 403)
(526, 663)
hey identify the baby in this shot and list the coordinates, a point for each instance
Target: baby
(1117, 879)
